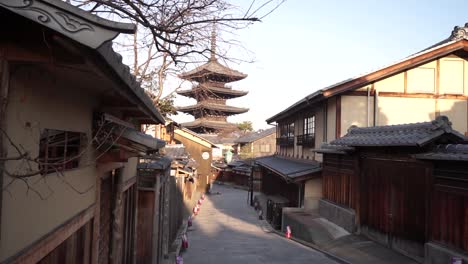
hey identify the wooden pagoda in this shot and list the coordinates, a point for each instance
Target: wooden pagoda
(211, 92)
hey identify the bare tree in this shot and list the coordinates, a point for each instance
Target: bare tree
(172, 33)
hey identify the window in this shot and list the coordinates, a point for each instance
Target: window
(309, 125)
(59, 150)
(265, 148)
(308, 136)
(286, 137)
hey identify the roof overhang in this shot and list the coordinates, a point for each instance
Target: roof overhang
(95, 33)
(363, 80)
(291, 170)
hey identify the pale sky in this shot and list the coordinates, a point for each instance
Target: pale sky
(307, 45)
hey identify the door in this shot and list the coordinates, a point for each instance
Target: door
(394, 198)
(145, 226)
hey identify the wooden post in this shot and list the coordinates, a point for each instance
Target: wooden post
(4, 85)
(96, 224)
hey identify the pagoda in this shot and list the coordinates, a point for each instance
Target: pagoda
(211, 92)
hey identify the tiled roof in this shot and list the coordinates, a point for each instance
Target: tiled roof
(213, 67)
(256, 135)
(208, 124)
(290, 170)
(214, 107)
(416, 134)
(227, 92)
(334, 149)
(446, 152)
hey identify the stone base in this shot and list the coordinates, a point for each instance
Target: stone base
(435, 254)
(341, 216)
(408, 248)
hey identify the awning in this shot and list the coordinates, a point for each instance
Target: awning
(290, 170)
(143, 139)
(157, 163)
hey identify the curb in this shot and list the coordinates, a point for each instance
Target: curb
(245, 188)
(310, 245)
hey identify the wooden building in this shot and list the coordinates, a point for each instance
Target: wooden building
(257, 144)
(418, 88)
(70, 113)
(211, 93)
(375, 182)
(200, 150)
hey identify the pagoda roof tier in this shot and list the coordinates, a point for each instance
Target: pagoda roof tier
(208, 125)
(226, 109)
(218, 91)
(213, 69)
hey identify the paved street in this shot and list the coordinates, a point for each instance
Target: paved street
(227, 231)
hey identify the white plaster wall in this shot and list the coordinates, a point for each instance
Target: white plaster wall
(354, 112)
(312, 193)
(37, 101)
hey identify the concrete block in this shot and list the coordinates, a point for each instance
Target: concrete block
(344, 217)
(436, 253)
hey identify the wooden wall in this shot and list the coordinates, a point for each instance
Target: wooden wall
(449, 210)
(340, 181)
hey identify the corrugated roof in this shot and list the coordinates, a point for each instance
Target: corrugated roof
(446, 152)
(256, 135)
(290, 170)
(416, 134)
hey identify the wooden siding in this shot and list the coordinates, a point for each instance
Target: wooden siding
(145, 226)
(340, 183)
(105, 222)
(76, 249)
(395, 200)
(449, 215)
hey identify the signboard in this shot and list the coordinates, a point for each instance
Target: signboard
(205, 155)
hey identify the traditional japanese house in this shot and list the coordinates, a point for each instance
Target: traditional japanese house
(418, 88)
(448, 209)
(200, 150)
(211, 92)
(70, 112)
(257, 144)
(374, 184)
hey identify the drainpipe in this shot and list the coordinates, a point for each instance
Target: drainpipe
(325, 121)
(368, 106)
(376, 107)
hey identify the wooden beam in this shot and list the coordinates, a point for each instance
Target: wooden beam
(4, 87)
(44, 246)
(338, 118)
(96, 222)
(397, 68)
(408, 95)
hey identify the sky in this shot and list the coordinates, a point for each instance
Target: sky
(306, 45)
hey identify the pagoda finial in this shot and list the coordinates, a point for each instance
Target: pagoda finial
(213, 42)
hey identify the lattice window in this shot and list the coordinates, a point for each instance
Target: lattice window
(59, 150)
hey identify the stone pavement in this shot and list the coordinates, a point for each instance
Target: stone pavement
(228, 231)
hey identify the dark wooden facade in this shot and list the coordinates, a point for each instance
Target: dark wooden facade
(401, 197)
(449, 204)
(273, 184)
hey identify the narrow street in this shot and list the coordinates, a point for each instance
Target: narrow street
(227, 231)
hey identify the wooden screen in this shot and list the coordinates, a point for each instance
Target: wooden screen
(394, 197)
(129, 211)
(449, 211)
(339, 179)
(145, 222)
(105, 220)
